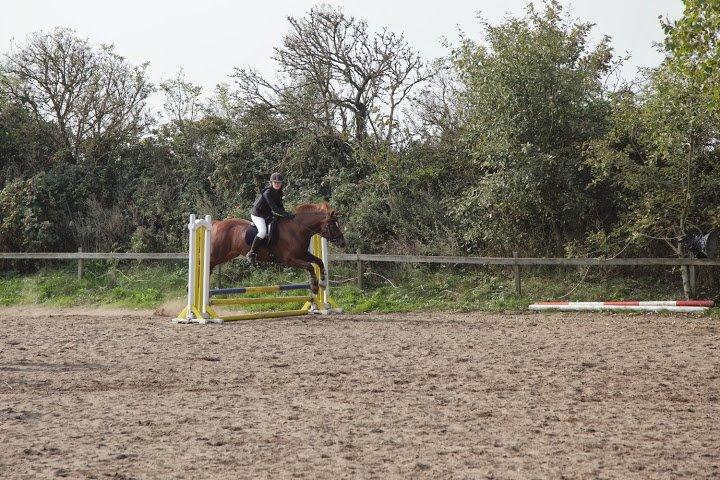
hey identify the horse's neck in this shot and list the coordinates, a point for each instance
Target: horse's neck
(311, 220)
(310, 223)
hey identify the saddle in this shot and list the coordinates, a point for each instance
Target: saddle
(252, 232)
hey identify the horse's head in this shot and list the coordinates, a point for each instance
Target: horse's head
(321, 218)
(330, 229)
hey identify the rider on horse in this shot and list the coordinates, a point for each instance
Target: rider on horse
(267, 206)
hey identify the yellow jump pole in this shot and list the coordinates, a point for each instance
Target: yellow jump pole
(253, 301)
(258, 315)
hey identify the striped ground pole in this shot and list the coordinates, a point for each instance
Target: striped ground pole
(680, 306)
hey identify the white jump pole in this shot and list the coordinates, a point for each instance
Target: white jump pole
(679, 306)
(191, 266)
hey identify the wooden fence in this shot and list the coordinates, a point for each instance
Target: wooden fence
(361, 258)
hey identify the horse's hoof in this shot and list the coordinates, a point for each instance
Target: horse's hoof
(252, 259)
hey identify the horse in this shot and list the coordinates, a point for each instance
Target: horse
(290, 242)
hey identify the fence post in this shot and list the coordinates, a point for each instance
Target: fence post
(516, 272)
(693, 284)
(81, 265)
(359, 271)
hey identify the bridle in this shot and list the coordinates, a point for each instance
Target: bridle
(324, 229)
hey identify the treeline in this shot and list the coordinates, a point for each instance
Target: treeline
(520, 141)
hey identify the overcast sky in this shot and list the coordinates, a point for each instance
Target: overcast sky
(209, 37)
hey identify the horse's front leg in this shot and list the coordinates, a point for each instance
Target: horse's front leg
(317, 261)
(299, 263)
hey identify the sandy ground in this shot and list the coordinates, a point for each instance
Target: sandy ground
(86, 394)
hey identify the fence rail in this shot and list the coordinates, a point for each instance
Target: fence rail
(93, 256)
(365, 257)
(515, 261)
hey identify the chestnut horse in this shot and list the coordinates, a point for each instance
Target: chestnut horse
(290, 241)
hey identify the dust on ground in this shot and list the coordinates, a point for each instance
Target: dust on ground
(86, 394)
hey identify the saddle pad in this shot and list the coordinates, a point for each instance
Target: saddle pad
(251, 233)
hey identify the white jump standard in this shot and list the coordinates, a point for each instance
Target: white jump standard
(200, 304)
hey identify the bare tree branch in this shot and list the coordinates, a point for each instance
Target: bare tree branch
(94, 97)
(339, 74)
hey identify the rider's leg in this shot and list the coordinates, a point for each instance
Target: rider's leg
(259, 239)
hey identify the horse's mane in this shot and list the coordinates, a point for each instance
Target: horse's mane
(323, 207)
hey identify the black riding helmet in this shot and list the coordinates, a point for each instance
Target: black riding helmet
(277, 177)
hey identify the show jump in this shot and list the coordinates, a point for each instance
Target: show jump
(204, 253)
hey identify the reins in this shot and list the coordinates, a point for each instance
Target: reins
(295, 220)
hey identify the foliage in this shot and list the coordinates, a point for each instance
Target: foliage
(130, 287)
(32, 210)
(94, 98)
(182, 99)
(399, 208)
(510, 142)
(694, 45)
(339, 78)
(533, 98)
(25, 147)
(396, 290)
(661, 161)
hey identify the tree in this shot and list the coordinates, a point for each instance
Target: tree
(661, 158)
(660, 155)
(25, 147)
(94, 97)
(182, 99)
(338, 77)
(437, 111)
(532, 99)
(693, 42)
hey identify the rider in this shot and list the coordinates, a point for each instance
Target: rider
(268, 205)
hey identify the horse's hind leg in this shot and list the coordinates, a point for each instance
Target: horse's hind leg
(298, 263)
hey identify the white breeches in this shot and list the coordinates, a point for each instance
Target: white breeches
(261, 226)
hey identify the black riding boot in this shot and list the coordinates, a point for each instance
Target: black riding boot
(252, 255)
